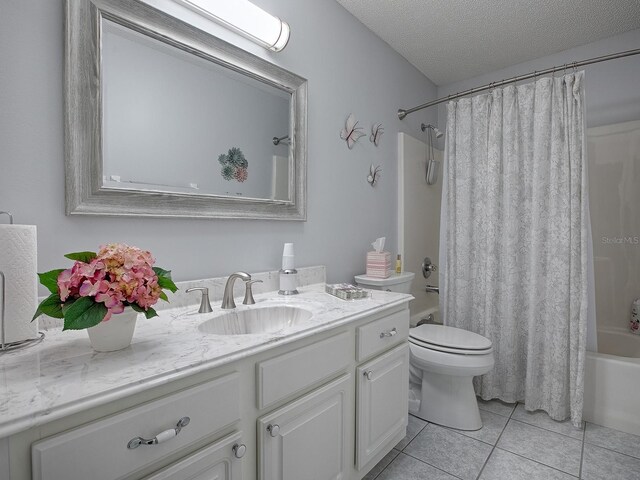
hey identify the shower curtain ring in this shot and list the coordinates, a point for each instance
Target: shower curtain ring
(575, 67)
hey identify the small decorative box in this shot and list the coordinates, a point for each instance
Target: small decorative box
(346, 291)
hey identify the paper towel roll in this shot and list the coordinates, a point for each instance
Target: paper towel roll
(18, 261)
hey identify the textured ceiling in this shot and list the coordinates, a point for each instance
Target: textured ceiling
(452, 40)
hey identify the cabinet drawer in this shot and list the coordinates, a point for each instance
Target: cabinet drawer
(377, 336)
(99, 450)
(282, 376)
(218, 461)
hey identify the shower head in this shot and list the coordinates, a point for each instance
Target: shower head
(435, 129)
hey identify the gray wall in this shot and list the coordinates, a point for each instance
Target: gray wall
(349, 70)
(612, 88)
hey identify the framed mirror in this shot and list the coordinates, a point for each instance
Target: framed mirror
(165, 120)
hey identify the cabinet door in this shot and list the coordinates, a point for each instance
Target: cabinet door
(219, 461)
(307, 438)
(382, 409)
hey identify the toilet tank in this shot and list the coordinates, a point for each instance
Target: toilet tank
(397, 282)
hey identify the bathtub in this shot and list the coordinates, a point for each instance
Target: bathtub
(612, 381)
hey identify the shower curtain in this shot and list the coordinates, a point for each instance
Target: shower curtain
(516, 237)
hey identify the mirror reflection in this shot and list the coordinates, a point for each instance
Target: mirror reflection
(175, 122)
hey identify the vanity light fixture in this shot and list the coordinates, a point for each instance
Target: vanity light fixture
(245, 18)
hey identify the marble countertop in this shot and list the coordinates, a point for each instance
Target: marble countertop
(63, 375)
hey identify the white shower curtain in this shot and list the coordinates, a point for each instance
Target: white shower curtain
(516, 239)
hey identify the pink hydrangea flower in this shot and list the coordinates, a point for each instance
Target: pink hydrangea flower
(119, 276)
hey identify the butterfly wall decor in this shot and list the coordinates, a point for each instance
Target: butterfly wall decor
(351, 133)
(376, 133)
(374, 174)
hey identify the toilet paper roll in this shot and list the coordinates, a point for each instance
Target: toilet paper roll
(18, 261)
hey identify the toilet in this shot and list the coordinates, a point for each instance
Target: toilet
(397, 282)
(443, 362)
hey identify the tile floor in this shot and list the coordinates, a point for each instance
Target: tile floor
(513, 444)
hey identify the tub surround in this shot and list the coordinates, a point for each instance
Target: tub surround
(63, 375)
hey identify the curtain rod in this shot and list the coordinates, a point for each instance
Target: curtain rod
(404, 112)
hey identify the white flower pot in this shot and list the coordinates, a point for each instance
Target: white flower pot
(114, 334)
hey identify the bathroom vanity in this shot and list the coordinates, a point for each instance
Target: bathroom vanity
(323, 398)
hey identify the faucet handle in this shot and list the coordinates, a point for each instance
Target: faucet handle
(248, 294)
(205, 306)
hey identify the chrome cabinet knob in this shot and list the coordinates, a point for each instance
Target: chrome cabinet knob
(368, 374)
(273, 430)
(239, 449)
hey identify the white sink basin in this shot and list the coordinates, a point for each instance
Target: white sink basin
(256, 320)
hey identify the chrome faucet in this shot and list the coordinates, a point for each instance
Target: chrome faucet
(205, 306)
(248, 294)
(227, 297)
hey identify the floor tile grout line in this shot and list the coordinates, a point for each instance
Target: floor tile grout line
(416, 435)
(612, 450)
(535, 461)
(431, 465)
(402, 451)
(493, 448)
(545, 429)
(388, 464)
(584, 434)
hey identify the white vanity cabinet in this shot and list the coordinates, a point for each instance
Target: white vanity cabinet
(382, 411)
(307, 438)
(382, 382)
(108, 449)
(325, 406)
(220, 461)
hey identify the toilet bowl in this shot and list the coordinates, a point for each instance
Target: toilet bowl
(443, 362)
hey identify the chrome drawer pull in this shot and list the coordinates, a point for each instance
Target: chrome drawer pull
(390, 333)
(239, 449)
(161, 437)
(368, 374)
(273, 430)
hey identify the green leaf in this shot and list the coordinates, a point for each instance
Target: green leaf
(84, 313)
(164, 279)
(150, 313)
(51, 306)
(85, 257)
(163, 296)
(50, 279)
(161, 272)
(136, 307)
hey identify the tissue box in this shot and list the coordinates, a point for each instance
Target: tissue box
(379, 264)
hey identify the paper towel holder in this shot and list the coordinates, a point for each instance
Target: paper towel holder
(5, 347)
(10, 218)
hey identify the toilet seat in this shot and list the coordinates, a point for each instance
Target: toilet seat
(449, 340)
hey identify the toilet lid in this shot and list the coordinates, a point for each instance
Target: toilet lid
(449, 338)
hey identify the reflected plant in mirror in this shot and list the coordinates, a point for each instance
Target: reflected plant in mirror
(234, 165)
(142, 128)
